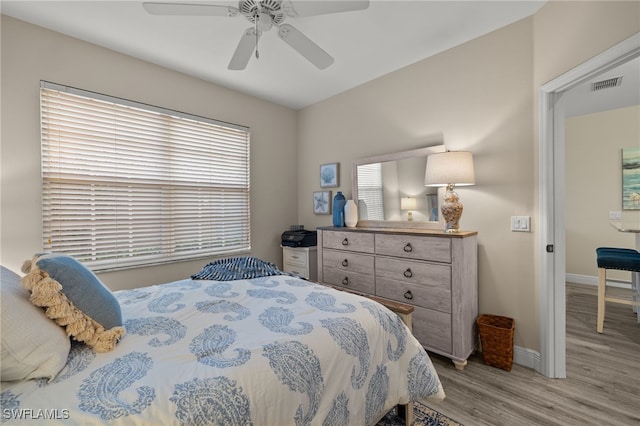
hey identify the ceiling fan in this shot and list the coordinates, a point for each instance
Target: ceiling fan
(264, 15)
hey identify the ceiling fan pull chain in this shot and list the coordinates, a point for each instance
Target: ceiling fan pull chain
(257, 16)
(257, 53)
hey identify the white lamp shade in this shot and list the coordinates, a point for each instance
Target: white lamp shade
(408, 203)
(451, 167)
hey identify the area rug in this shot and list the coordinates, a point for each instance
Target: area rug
(424, 416)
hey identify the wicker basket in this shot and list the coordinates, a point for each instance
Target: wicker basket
(496, 337)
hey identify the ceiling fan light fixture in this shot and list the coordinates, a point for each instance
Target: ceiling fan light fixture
(264, 22)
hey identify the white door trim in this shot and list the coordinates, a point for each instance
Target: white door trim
(551, 200)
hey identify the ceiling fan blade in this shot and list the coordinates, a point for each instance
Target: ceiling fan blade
(189, 9)
(322, 7)
(246, 47)
(304, 46)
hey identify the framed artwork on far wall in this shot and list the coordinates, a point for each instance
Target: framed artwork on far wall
(322, 202)
(329, 175)
(631, 178)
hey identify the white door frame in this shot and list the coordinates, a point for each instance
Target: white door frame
(551, 201)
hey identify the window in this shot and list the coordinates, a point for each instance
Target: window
(370, 190)
(127, 184)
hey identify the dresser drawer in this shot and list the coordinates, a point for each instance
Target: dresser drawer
(419, 283)
(301, 271)
(412, 271)
(414, 247)
(352, 241)
(293, 256)
(432, 329)
(350, 280)
(422, 295)
(348, 261)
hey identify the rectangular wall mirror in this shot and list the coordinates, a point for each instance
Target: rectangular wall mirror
(390, 190)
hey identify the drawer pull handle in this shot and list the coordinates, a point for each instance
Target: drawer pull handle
(408, 295)
(345, 242)
(345, 281)
(408, 273)
(408, 248)
(345, 262)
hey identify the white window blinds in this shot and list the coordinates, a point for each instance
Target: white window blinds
(370, 190)
(127, 184)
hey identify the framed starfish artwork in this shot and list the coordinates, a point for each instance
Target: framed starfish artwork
(322, 202)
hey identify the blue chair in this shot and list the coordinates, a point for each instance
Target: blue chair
(621, 259)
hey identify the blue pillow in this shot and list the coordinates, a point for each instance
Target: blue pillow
(74, 298)
(237, 268)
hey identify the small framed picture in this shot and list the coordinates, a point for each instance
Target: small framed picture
(329, 175)
(322, 202)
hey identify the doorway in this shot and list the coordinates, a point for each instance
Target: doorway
(551, 201)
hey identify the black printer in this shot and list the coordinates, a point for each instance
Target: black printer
(300, 238)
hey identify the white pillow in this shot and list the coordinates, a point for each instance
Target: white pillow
(33, 346)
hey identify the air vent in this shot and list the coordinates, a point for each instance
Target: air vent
(606, 84)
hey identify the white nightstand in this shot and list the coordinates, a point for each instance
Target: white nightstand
(301, 261)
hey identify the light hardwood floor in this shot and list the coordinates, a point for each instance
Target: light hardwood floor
(602, 385)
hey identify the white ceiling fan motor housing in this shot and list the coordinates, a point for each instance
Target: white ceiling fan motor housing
(266, 12)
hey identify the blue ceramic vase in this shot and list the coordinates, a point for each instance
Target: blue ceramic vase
(338, 209)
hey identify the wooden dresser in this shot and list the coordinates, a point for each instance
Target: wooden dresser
(435, 272)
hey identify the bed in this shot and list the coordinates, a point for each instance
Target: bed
(264, 350)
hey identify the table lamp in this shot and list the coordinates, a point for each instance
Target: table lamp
(450, 169)
(408, 203)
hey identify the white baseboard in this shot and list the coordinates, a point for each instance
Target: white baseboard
(581, 279)
(526, 357)
(591, 280)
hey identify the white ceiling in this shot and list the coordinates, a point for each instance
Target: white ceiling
(367, 44)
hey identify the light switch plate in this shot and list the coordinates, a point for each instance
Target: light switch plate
(521, 223)
(615, 215)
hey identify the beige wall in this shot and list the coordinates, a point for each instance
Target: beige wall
(568, 33)
(31, 54)
(474, 97)
(593, 145)
(481, 96)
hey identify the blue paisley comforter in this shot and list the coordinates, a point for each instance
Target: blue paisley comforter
(274, 350)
